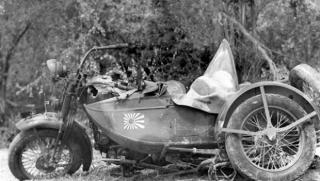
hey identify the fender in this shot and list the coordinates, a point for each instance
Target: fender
(270, 87)
(51, 120)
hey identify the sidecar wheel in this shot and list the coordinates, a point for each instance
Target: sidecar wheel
(29, 154)
(283, 158)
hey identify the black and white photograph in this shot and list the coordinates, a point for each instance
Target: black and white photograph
(144, 90)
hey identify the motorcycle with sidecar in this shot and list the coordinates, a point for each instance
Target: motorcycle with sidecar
(265, 131)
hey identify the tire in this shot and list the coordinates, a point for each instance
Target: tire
(290, 153)
(29, 138)
(306, 79)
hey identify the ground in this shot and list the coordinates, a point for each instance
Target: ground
(104, 174)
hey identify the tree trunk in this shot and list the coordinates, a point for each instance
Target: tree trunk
(6, 68)
(242, 10)
(254, 17)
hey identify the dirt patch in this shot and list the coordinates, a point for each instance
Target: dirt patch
(5, 174)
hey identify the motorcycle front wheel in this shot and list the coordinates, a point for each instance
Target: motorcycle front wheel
(30, 155)
(285, 157)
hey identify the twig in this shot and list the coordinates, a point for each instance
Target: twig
(35, 82)
(258, 44)
(11, 103)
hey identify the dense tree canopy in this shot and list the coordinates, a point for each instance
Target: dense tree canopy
(175, 39)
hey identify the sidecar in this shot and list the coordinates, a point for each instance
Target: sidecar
(146, 121)
(268, 129)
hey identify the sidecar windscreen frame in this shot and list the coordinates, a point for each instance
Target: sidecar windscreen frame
(223, 61)
(115, 46)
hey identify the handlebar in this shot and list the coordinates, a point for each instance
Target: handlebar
(109, 83)
(124, 87)
(115, 46)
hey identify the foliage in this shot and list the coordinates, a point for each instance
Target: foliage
(293, 31)
(173, 39)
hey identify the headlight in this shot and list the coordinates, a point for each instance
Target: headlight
(56, 68)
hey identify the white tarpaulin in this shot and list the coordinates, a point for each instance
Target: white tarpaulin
(211, 90)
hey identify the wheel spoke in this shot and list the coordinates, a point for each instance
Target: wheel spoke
(285, 134)
(269, 161)
(253, 123)
(286, 121)
(38, 151)
(256, 120)
(249, 150)
(291, 142)
(263, 156)
(268, 150)
(281, 160)
(260, 156)
(278, 153)
(293, 133)
(247, 138)
(291, 145)
(272, 159)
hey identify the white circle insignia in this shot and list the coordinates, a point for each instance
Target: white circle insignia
(133, 121)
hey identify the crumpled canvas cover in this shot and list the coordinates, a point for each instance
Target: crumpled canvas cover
(219, 82)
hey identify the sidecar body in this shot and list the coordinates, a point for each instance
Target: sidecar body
(148, 123)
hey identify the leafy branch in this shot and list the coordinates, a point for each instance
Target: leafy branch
(256, 43)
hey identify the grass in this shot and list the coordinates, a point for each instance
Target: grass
(8, 131)
(102, 175)
(101, 171)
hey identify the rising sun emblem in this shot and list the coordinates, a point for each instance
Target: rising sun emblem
(133, 121)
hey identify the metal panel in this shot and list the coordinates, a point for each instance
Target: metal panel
(152, 122)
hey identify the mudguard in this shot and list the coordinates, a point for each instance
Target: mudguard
(270, 87)
(50, 120)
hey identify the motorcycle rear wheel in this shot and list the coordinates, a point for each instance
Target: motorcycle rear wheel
(286, 157)
(29, 155)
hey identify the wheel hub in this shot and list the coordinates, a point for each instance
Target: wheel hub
(271, 133)
(43, 163)
(265, 139)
